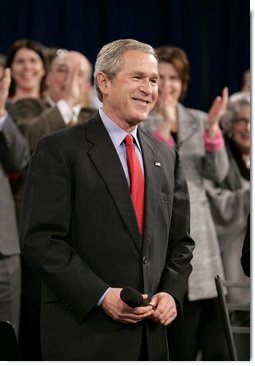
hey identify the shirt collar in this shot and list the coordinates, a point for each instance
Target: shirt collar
(116, 133)
(76, 109)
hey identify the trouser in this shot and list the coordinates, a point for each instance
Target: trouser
(200, 329)
(10, 289)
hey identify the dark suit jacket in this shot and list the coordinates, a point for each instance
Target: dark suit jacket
(14, 154)
(80, 234)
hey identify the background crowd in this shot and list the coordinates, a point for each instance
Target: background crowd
(44, 89)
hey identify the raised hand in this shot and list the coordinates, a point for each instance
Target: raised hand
(166, 105)
(5, 81)
(216, 111)
(75, 86)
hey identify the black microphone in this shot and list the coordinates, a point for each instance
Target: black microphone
(133, 298)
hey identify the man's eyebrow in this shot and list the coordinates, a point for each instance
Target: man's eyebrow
(61, 65)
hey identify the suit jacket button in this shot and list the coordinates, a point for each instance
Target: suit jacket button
(145, 260)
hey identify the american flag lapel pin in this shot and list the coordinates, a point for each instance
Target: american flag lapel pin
(157, 163)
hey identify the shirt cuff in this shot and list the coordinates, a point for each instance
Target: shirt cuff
(158, 136)
(215, 144)
(102, 298)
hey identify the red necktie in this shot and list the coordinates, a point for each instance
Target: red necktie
(136, 180)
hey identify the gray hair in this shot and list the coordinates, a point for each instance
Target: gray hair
(110, 58)
(236, 101)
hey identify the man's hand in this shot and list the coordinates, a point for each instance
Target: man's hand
(119, 311)
(166, 105)
(5, 81)
(76, 86)
(165, 308)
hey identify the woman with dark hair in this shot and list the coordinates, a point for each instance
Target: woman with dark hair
(27, 62)
(197, 137)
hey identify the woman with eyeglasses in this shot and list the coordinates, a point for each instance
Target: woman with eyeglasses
(230, 205)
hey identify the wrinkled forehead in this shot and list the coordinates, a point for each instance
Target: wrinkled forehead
(71, 60)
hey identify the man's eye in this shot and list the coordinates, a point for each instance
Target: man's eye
(154, 81)
(62, 69)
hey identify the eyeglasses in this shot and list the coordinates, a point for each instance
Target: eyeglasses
(242, 121)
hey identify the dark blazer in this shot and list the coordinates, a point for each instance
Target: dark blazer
(14, 154)
(80, 234)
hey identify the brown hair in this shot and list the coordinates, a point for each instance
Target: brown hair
(178, 58)
(31, 45)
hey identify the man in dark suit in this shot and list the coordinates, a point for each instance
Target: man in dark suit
(14, 154)
(80, 231)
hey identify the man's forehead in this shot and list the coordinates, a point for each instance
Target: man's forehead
(70, 60)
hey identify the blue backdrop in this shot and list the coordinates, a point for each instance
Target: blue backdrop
(214, 33)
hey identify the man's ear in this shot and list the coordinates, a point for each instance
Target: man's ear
(103, 83)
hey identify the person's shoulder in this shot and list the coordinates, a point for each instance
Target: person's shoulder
(30, 102)
(192, 112)
(29, 106)
(90, 111)
(159, 147)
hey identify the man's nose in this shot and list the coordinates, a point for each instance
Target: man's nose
(146, 87)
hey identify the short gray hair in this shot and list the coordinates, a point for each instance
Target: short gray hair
(110, 58)
(236, 101)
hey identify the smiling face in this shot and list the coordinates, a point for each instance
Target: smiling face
(59, 74)
(241, 129)
(169, 82)
(133, 91)
(27, 70)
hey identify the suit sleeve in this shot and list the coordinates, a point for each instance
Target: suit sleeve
(45, 224)
(14, 152)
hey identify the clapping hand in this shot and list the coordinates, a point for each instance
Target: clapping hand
(5, 81)
(216, 111)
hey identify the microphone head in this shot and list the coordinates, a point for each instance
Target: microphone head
(131, 297)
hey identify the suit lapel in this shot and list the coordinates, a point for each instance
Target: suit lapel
(107, 162)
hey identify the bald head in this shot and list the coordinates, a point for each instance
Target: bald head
(71, 58)
(71, 67)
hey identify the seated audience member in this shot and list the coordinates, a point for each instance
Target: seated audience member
(198, 138)
(27, 62)
(14, 154)
(68, 80)
(230, 203)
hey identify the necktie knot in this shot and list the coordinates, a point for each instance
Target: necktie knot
(129, 140)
